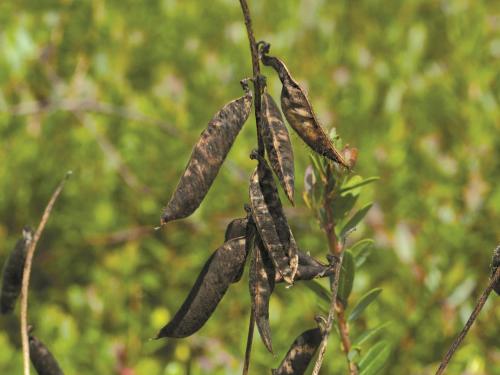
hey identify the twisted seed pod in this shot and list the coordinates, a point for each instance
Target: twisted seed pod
(495, 263)
(42, 359)
(300, 353)
(12, 275)
(309, 268)
(262, 275)
(236, 228)
(278, 145)
(217, 274)
(300, 115)
(271, 222)
(207, 157)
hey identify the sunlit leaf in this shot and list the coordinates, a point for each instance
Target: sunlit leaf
(346, 277)
(373, 361)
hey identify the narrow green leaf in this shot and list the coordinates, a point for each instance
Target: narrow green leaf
(358, 184)
(316, 162)
(355, 219)
(365, 336)
(375, 358)
(346, 279)
(342, 205)
(361, 250)
(363, 303)
(319, 290)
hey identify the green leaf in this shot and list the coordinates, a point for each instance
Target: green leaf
(363, 303)
(342, 204)
(355, 183)
(365, 336)
(361, 250)
(354, 220)
(319, 290)
(375, 358)
(346, 279)
(318, 168)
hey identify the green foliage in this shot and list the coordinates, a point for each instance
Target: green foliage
(412, 84)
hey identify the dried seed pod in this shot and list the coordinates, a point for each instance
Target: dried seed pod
(278, 145)
(218, 273)
(207, 157)
(236, 228)
(12, 275)
(495, 263)
(271, 222)
(300, 353)
(262, 275)
(300, 115)
(309, 268)
(42, 359)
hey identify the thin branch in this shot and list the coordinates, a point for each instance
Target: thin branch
(248, 350)
(331, 317)
(27, 273)
(257, 82)
(344, 337)
(85, 105)
(479, 305)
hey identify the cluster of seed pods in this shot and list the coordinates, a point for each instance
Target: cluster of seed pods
(264, 234)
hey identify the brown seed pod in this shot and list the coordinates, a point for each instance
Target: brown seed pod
(221, 269)
(300, 353)
(207, 157)
(12, 275)
(495, 263)
(262, 275)
(236, 228)
(271, 222)
(42, 359)
(299, 113)
(309, 269)
(278, 145)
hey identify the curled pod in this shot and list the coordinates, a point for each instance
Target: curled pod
(495, 263)
(236, 228)
(262, 275)
(300, 353)
(207, 157)
(270, 220)
(42, 359)
(300, 115)
(278, 145)
(221, 269)
(12, 275)
(309, 269)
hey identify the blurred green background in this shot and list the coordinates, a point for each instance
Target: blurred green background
(118, 91)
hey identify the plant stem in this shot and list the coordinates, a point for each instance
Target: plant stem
(257, 84)
(479, 305)
(336, 248)
(248, 350)
(27, 273)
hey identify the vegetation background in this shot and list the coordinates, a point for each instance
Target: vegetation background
(118, 91)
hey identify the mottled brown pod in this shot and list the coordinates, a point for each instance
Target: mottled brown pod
(12, 275)
(278, 145)
(262, 275)
(309, 269)
(42, 359)
(495, 263)
(300, 115)
(271, 222)
(207, 157)
(236, 228)
(221, 269)
(300, 353)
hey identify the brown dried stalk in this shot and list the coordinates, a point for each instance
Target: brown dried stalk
(479, 305)
(27, 273)
(336, 249)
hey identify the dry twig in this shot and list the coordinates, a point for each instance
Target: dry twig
(27, 273)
